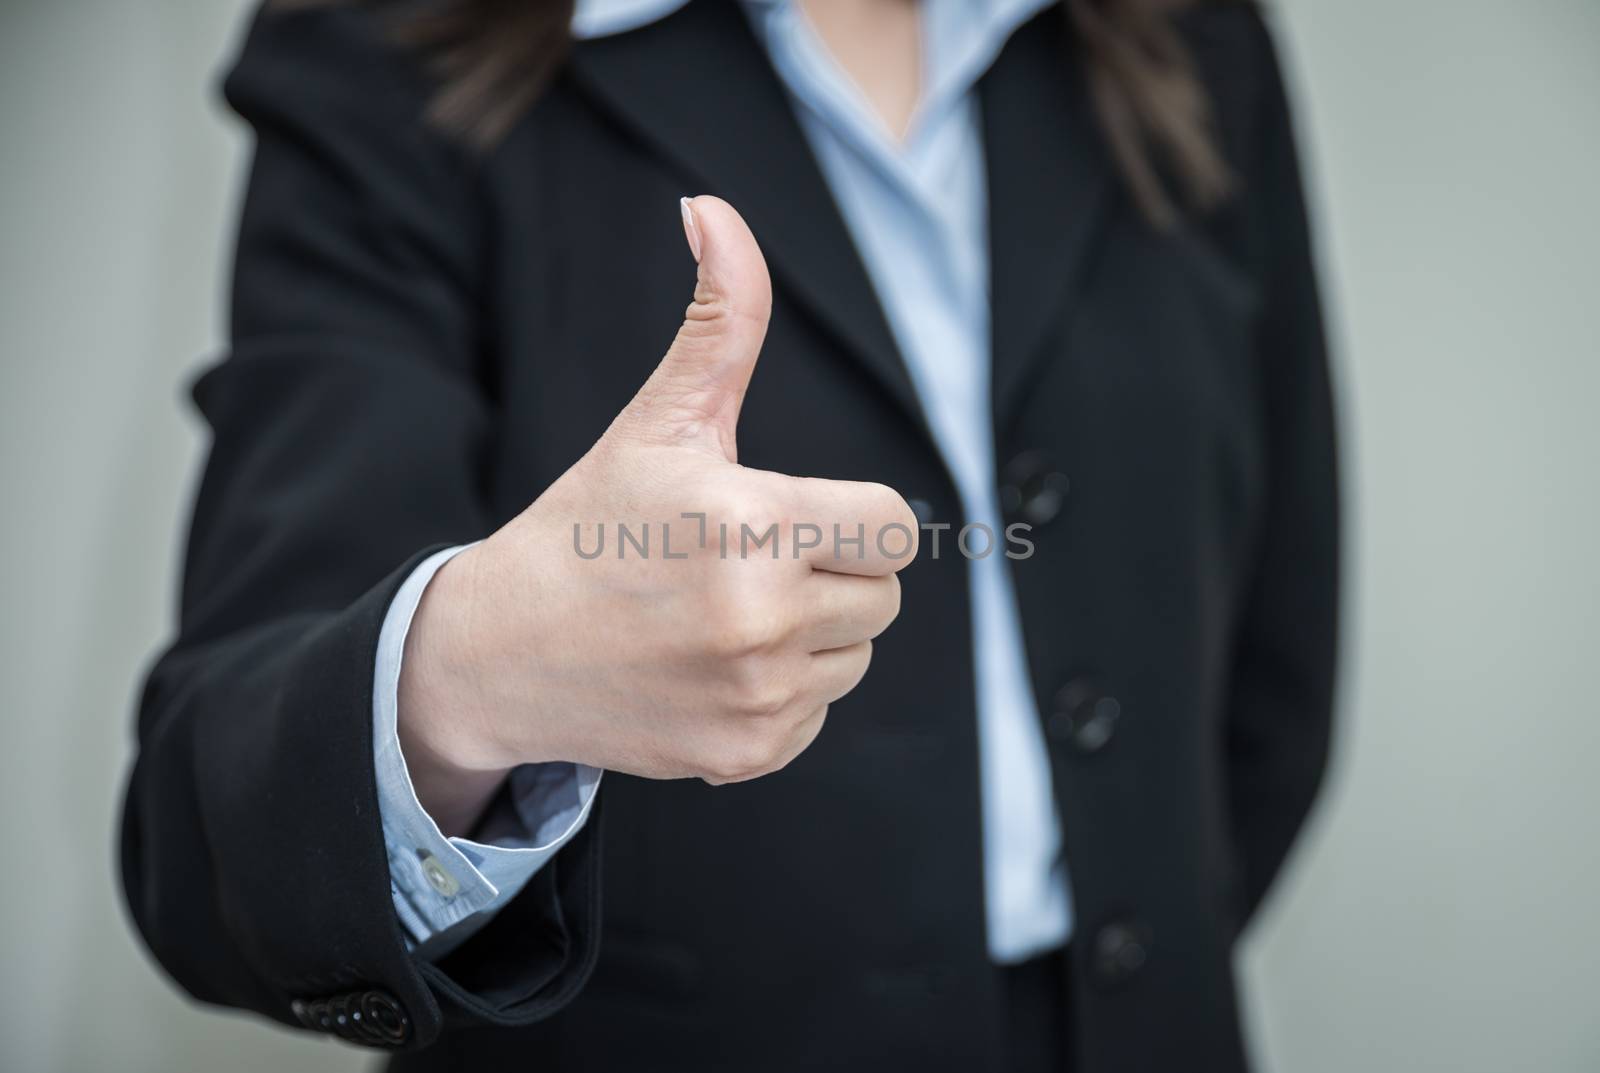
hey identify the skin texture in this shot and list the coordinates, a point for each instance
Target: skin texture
(523, 651)
(878, 43)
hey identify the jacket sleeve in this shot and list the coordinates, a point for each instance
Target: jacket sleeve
(349, 424)
(1283, 676)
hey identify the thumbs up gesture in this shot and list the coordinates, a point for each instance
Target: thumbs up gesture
(710, 648)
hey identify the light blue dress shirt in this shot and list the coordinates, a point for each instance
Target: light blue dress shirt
(917, 209)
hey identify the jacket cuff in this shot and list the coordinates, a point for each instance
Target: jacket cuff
(311, 900)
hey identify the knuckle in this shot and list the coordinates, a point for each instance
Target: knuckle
(742, 634)
(737, 514)
(729, 640)
(743, 757)
(856, 669)
(752, 755)
(726, 773)
(722, 764)
(707, 503)
(723, 770)
(891, 601)
(763, 499)
(799, 740)
(722, 502)
(761, 698)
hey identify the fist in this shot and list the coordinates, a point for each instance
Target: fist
(661, 610)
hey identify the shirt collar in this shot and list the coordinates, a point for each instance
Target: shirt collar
(602, 18)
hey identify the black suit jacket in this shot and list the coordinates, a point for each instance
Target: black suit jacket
(423, 338)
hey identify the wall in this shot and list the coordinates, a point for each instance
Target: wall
(118, 175)
(1443, 913)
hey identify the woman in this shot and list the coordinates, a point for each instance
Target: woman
(1040, 317)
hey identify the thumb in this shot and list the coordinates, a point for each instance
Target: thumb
(694, 395)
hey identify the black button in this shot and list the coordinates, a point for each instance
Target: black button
(1121, 949)
(372, 1017)
(1032, 488)
(1085, 717)
(384, 1018)
(922, 509)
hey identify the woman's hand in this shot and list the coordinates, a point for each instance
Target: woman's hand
(708, 663)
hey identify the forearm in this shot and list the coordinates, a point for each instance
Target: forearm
(448, 886)
(453, 767)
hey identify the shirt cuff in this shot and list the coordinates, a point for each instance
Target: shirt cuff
(444, 889)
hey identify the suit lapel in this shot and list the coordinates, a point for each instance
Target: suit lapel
(727, 122)
(697, 87)
(1049, 176)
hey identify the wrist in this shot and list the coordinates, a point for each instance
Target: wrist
(455, 760)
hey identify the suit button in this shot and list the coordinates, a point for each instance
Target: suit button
(1085, 718)
(339, 1009)
(1121, 949)
(370, 1017)
(383, 1020)
(1032, 488)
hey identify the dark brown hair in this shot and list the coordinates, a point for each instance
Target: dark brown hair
(494, 57)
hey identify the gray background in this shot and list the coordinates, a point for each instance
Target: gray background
(1444, 910)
